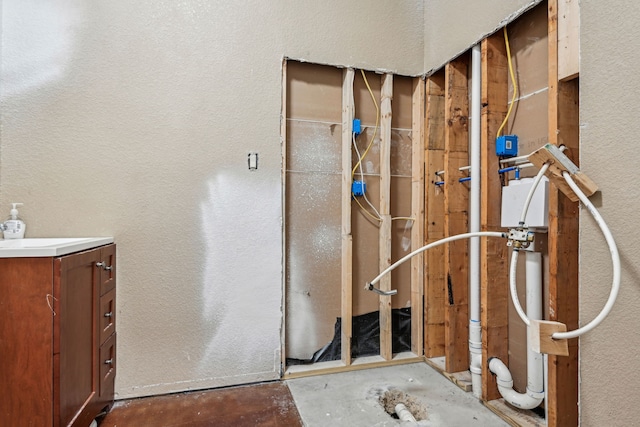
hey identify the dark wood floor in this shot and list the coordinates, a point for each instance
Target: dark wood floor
(268, 404)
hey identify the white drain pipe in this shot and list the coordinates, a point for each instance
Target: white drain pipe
(475, 328)
(535, 361)
(404, 414)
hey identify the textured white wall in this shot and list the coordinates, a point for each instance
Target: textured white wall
(134, 119)
(609, 87)
(452, 26)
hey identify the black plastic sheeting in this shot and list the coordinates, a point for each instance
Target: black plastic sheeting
(365, 340)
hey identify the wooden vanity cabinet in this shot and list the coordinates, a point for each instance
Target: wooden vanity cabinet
(57, 338)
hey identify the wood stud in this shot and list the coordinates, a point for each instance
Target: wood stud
(385, 214)
(456, 202)
(568, 39)
(434, 275)
(494, 270)
(347, 241)
(563, 115)
(417, 212)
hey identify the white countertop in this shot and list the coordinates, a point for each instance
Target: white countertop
(48, 247)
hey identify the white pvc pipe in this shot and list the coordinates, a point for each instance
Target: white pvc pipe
(535, 371)
(528, 400)
(514, 159)
(535, 361)
(475, 329)
(403, 413)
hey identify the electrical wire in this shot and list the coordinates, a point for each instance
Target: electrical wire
(375, 129)
(513, 82)
(378, 217)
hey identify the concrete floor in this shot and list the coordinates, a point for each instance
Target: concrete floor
(351, 399)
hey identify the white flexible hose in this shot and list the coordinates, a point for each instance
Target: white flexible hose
(433, 245)
(527, 202)
(513, 289)
(615, 260)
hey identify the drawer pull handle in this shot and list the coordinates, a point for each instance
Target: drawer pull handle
(104, 266)
(109, 314)
(108, 362)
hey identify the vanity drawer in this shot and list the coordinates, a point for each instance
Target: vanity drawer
(107, 367)
(107, 315)
(107, 266)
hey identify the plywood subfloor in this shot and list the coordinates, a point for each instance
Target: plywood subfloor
(269, 405)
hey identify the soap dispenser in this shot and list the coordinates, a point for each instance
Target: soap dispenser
(14, 227)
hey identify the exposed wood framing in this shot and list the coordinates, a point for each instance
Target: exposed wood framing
(417, 213)
(568, 39)
(515, 417)
(434, 276)
(563, 113)
(558, 166)
(540, 334)
(334, 367)
(347, 241)
(462, 379)
(456, 202)
(494, 270)
(385, 214)
(283, 143)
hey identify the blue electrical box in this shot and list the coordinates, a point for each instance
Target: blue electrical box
(507, 146)
(357, 127)
(358, 188)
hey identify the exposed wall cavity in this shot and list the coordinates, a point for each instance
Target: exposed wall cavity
(528, 120)
(313, 210)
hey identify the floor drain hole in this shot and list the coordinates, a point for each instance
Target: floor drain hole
(389, 399)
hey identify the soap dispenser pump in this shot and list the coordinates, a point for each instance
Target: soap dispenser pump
(14, 227)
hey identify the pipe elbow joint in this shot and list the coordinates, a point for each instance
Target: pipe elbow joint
(529, 400)
(537, 395)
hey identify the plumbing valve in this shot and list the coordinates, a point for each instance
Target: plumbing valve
(520, 237)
